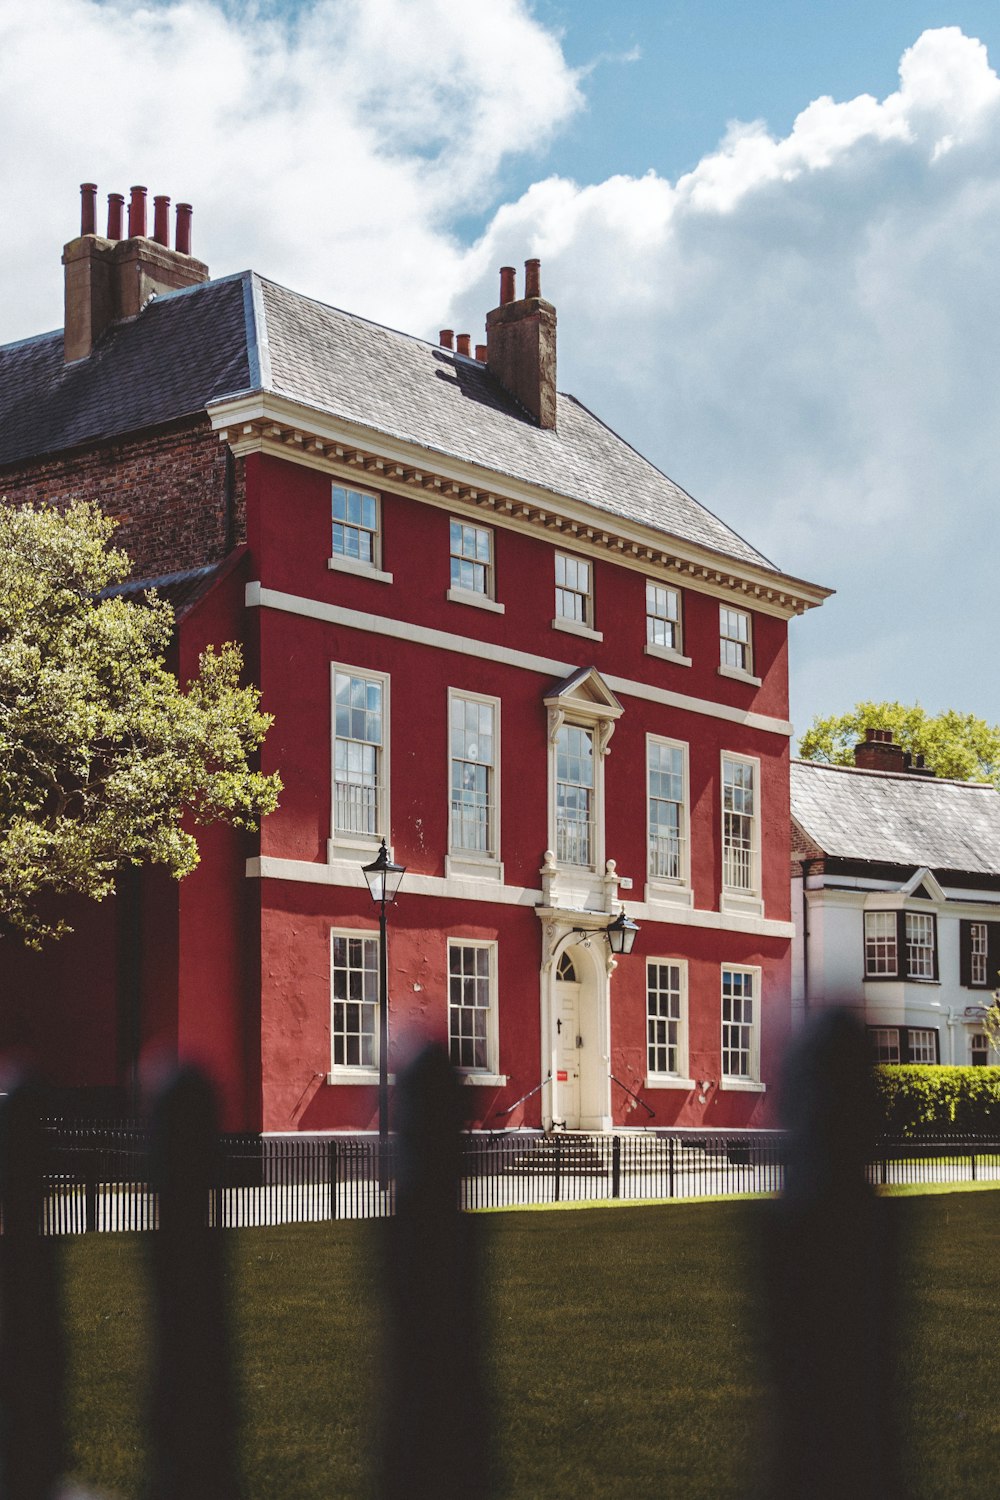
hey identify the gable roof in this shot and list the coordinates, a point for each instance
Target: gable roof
(243, 334)
(893, 818)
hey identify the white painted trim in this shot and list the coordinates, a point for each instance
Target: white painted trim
(347, 873)
(667, 1081)
(490, 863)
(492, 946)
(665, 653)
(672, 1080)
(365, 1077)
(732, 898)
(753, 1084)
(659, 883)
(742, 1086)
(343, 840)
(690, 565)
(485, 1080)
(345, 1072)
(258, 597)
(737, 675)
(358, 568)
(573, 627)
(478, 601)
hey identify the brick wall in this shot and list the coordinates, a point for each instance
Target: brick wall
(166, 488)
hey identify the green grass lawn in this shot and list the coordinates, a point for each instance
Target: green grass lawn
(624, 1352)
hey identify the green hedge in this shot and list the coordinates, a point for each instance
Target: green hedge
(929, 1101)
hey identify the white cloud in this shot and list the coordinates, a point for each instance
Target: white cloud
(801, 330)
(333, 150)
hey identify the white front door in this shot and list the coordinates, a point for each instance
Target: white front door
(569, 1044)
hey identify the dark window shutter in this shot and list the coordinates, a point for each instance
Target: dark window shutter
(934, 940)
(965, 953)
(993, 955)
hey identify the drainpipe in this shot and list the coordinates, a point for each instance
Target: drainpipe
(806, 867)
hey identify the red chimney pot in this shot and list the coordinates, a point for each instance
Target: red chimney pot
(182, 238)
(481, 353)
(88, 207)
(447, 337)
(464, 340)
(161, 220)
(532, 278)
(137, 213)
(508, 289)
(116, 202)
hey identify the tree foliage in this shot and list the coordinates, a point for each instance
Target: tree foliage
(103, 754)
(953, 744)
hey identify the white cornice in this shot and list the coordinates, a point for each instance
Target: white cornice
(267, 423)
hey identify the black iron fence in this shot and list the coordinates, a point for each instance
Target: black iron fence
(97, 1175)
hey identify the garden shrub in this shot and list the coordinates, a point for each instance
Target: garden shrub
(931, 1101)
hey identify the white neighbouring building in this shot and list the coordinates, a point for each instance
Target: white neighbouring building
(896, 902)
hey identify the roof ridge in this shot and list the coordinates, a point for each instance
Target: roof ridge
(826, 765)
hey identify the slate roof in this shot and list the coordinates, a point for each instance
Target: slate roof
(242, 334)
(897, 818)
(180, 590)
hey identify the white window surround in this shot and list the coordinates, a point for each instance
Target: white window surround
(582, 701)
(359, 569)
(664, 617)
(361, 524)
(673, 891)
(665, 653)
(751, 1081)
(573, 627)
(738, 676)
(471, 548)
(357, 1073)
(656, 1018)
(736, 639)
(740, 898)
(574, 595)
(472, 864)
(342, 844)
(488, 1073)
(478, 601)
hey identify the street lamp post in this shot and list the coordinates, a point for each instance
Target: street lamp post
(383, 877)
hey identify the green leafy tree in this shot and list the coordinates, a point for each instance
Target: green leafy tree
(104, 756)
(953, 744)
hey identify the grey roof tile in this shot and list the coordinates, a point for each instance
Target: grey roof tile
(180, 590)
(241, 333)
(898, 819)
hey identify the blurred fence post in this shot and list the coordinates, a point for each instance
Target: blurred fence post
(192, 1417)
(831, 1279)
(32, 1438)
(433, 1436)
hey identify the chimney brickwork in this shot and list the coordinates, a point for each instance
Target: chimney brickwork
(108, 279)
(521, 344)
(878, 752)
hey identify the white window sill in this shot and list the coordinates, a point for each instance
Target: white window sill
(487, 1080)
(350, 847)
(573, 627)
(478, 601)
(739, 903)
(667, 653)
(738, 675)
(669, 1081)
(668, 893)
(358, 568)
(465, 866)
(364, 1076)
(743, 1086)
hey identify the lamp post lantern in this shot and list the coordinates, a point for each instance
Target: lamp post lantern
(621, 934)
(383, 876)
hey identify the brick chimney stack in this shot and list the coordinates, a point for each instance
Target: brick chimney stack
(521, 344)
(878, 752)
(108, 278)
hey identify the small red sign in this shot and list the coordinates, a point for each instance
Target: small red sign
(562, 1077)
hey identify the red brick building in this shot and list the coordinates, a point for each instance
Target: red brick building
(490, 632)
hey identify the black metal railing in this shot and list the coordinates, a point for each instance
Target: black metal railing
(97, 1178)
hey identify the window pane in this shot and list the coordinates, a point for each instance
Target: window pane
(354, 963)
(470, 970)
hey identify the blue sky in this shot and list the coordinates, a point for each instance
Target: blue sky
(772, 232)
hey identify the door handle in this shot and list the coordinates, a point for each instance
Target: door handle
(558, 1028)
(579, 1041)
